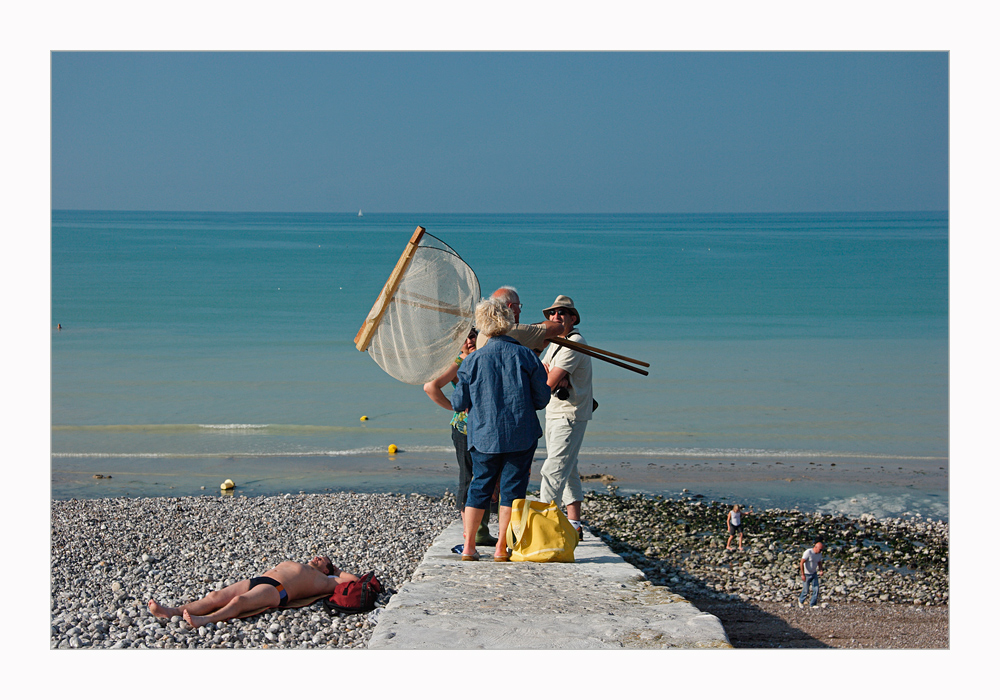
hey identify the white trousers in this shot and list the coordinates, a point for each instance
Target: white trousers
(560, 472)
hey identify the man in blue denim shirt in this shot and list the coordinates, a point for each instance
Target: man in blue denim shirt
(501, 385)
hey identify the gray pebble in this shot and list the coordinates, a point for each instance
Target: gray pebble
(203, 543)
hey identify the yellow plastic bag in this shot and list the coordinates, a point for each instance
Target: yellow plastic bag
(540, 532)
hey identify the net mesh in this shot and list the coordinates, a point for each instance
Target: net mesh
(428, 317)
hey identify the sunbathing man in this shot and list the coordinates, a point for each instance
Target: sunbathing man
(286, 582)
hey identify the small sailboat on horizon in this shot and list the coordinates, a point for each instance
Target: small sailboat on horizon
(359, 213)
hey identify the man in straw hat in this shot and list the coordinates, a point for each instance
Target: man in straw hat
(570, 378)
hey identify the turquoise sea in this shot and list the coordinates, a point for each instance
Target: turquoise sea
(195, 344)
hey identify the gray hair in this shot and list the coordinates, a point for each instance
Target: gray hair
(493, 317)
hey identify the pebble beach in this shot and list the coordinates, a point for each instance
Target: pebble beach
(885, 581)
(110, 556)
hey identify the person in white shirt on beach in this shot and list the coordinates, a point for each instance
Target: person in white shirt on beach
(811, 568)
(734, 523)
(566, 417)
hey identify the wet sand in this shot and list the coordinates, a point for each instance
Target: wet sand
(760, 625)
(928, 474)
(851, 485)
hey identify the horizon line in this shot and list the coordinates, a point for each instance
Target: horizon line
(500, 213)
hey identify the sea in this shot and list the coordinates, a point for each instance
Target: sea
(191, 347)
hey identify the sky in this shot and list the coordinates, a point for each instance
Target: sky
(500, 132)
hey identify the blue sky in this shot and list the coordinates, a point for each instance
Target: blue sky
(501, 132)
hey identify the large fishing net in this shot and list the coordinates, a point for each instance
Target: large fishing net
(427, 317)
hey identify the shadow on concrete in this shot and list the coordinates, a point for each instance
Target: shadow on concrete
(747, 625)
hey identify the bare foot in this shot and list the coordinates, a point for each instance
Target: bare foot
(162, 610)
(195, 620)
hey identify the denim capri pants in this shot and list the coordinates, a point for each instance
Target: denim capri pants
(512, 468)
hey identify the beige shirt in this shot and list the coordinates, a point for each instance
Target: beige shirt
(580, 403)
(532, 337)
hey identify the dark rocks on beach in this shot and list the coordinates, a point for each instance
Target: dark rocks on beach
(681, 544)
(603, 478)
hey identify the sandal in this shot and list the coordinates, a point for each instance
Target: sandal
(505, 557)
(471, 557)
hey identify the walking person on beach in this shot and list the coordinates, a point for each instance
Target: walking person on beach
(570, 378)
(811, 568)
(459, 438)
(734, 523)
(533, 336)
(501, 385)
(277, 587)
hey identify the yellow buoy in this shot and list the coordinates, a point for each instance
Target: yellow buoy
(392, 449)
(227, 484)
(364, 417)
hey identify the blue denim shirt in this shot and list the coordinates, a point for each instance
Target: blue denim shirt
(501, 385)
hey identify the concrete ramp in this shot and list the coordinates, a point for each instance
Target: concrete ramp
(598, 602)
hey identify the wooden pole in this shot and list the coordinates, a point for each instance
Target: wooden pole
(573, 345)
(367, 330)
(583, 349)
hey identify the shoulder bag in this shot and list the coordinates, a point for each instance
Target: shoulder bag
(540, 532)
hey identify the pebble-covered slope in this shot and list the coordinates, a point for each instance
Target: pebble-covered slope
(109, 557)
(681, 544)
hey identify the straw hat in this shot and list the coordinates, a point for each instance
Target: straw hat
(562, 302)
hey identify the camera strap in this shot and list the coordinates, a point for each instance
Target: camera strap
(569, 376)
(560, 347)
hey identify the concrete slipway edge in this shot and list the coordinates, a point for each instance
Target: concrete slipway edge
(598, 602)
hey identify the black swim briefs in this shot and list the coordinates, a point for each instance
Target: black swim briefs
(282, 593)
